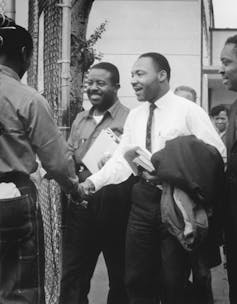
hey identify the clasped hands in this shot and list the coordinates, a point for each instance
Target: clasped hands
(86, 189)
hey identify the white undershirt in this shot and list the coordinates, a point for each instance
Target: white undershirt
(98, 118)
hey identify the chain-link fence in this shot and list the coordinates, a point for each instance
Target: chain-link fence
(49, 193)
(49, 199)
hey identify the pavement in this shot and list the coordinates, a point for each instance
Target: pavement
(99, 284)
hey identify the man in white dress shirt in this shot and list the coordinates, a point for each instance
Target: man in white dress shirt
(152, 254)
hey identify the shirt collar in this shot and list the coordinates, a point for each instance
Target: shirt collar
(9, 72)
(222, 133)
(112, 111)
(162, 101)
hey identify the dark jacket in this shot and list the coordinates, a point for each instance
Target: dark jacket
(231, 178)
(198, 169)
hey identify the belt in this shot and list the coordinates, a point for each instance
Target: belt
(14, 177)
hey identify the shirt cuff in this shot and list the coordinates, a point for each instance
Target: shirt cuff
(96, 182)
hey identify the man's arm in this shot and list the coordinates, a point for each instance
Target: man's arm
(116, 170)
(50, 145)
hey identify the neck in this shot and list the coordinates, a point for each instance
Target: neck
(100, 110)
(15, 67)
(163, 90)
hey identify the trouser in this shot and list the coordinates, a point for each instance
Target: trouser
(156, 264)
(101, 227)
(231, 238)
(200, 290)
(21, 247)
(231, 256)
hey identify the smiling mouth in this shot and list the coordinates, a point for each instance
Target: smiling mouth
(95, 96)
(137, 90)
(225, 80)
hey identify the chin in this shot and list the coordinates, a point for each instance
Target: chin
(95, 102)
(140, 98)
(231, 87)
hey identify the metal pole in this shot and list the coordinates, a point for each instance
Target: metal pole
(66, 55)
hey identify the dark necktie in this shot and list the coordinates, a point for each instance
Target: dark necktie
(148, 127)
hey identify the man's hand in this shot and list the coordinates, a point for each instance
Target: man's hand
(86, 188)
(150, 177)
(104, 160)
(131, 153)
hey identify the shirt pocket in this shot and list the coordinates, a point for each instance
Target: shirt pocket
(167, 134)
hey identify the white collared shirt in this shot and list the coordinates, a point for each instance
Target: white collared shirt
(174, 116)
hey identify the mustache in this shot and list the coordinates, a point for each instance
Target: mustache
(90, 92)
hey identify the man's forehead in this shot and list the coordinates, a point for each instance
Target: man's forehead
(143, 63)
(99, 73)
(229, 51)
(222, 113)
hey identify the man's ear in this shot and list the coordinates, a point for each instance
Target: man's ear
(117, 86)
(24, 54)
(1, 42)
(162, 75)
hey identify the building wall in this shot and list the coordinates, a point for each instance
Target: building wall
(219, 37)
(172, 28)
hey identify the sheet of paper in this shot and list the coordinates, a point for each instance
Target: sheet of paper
(104, 144)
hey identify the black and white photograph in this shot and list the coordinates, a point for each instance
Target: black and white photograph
(118, 152)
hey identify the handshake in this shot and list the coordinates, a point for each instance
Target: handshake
(87, 188)
(84, 190)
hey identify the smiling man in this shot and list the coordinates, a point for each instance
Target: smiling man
(219, 116)
(228, 72)
(99, 226)
(151, 251)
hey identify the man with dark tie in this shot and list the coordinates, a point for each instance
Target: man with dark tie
(153, 255)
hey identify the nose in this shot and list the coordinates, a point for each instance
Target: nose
(221, 69)
(93, 86)
(133, 80)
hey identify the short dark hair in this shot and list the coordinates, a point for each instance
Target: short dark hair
(217, 109)
(187, 89)
(232, 39)
(13, 37)
(160, 61)
(114, 72)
